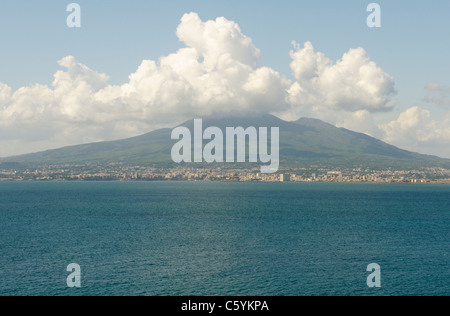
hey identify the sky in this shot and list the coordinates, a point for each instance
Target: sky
(135, 66)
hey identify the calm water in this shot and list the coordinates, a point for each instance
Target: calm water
(223, 238)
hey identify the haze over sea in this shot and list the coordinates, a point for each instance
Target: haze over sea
(207, 238)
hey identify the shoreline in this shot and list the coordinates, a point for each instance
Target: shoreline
(430, 182)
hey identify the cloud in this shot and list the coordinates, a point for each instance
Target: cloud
(417, 131)
(214, 40)
(345, 93)
(443, 98)
(436, 86)
(216, 73)
(361, 121)
(353, 83)
(5, 94)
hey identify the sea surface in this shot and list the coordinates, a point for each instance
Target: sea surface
(204, 238)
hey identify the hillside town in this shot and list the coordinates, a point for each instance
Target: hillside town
(118, 172)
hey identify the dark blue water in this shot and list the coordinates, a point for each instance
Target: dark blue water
(171, 238)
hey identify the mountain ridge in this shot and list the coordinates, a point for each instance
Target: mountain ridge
(303, 143)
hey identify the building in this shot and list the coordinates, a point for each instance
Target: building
(285, 178)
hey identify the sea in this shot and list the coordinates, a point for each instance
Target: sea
(223, 239)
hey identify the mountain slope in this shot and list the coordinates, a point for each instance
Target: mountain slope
(303, 143)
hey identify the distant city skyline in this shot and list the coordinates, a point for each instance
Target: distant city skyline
(138, 66)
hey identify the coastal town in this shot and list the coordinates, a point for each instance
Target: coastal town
(118, 172)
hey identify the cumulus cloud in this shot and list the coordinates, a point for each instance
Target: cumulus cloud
(217, 73)
(345, 93)
(5, 94)
(214, 40)
(353, 83)
(417, 131)
(360, 121)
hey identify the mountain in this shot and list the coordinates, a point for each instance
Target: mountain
(303, 143)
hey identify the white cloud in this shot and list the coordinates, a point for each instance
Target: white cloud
(5, 95)
(217, 73)
(361, 121)
(215, 40)
(417, 131)
(353, 83)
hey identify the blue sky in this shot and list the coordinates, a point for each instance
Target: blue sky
(116, 36)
